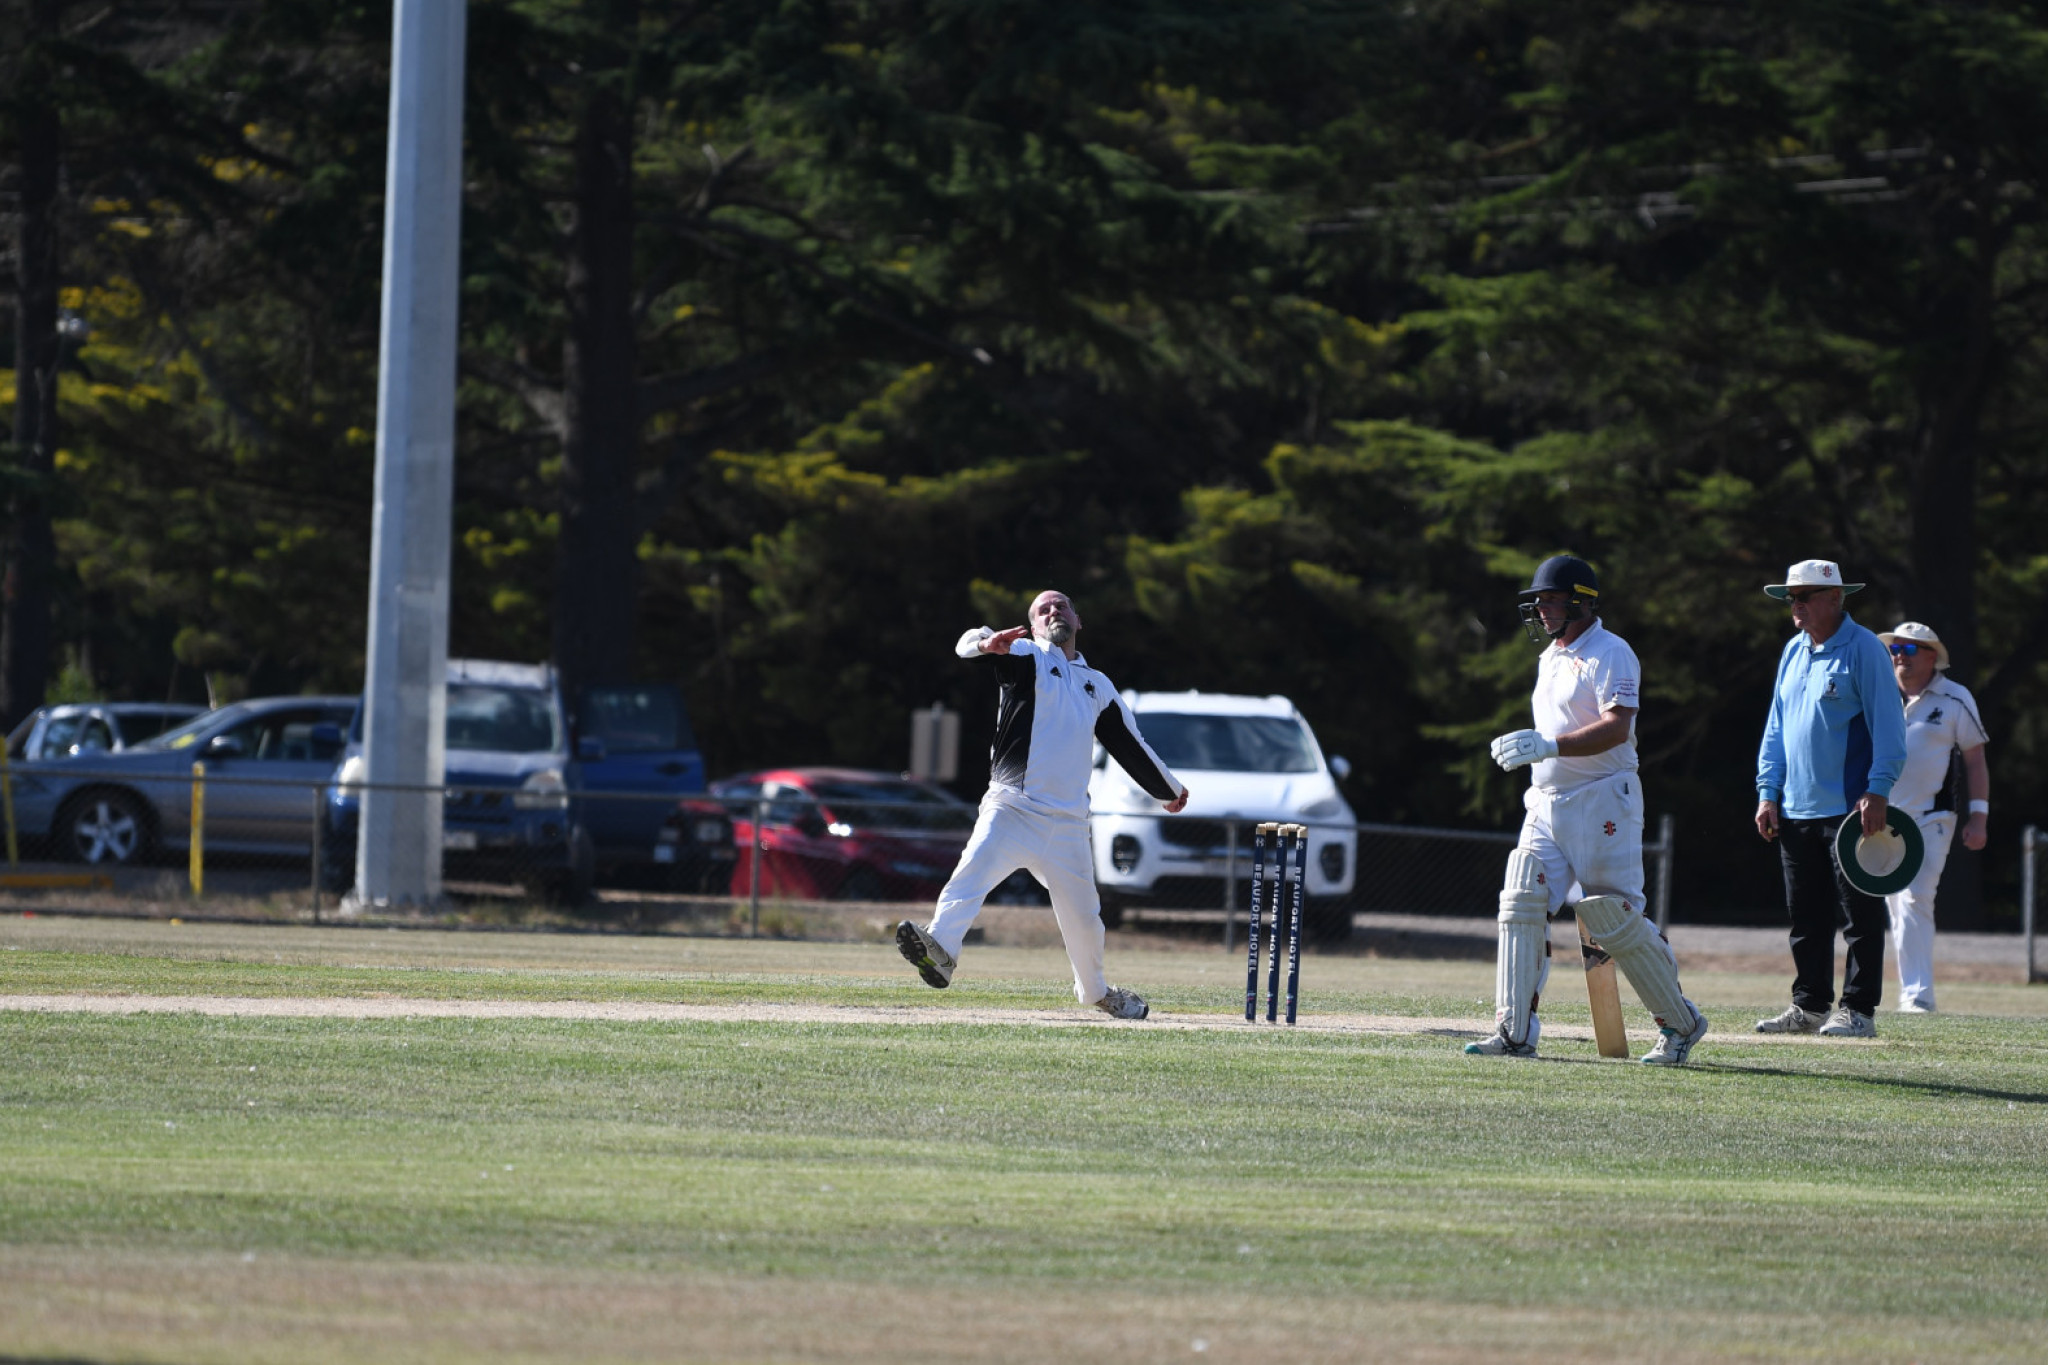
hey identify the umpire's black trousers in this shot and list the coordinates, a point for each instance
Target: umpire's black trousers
(1821, 900)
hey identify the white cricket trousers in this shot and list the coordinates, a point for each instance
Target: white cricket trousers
(1589, 839)
(1912, 912)
(1054, 849)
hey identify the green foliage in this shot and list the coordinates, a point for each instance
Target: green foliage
(1285, 337)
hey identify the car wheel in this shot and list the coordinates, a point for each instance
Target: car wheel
(106, 827)
(1021, 888)
(861, 884)
(1326, 920)
(337, 864)
(570, 887)
(1112, 909)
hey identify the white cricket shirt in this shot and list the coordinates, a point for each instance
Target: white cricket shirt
(1575, 686)
(1938, 721)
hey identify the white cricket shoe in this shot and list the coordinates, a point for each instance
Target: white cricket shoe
(1847, 1023)
(1916, 1007)
(923, 952)
(1122, 1004)
(1793, 1020)
(1499, 1045)
(1674, 1047)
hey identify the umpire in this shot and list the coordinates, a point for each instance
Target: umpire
(1835, 738)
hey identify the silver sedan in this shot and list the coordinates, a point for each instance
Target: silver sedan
(266, 761)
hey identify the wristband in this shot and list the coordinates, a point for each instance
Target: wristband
(1979, 807)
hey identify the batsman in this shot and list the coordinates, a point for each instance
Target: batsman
(1582, 836)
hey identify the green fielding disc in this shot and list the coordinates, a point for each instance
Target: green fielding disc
(1886, 863)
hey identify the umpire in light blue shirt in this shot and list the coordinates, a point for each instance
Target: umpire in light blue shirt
(1835, 738)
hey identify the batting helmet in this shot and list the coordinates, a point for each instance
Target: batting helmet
(1566, 574)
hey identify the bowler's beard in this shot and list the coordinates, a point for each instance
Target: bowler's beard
(1060, 633)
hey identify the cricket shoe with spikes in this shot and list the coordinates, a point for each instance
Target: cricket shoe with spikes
(1500, 1045)
(923, 952)
(1122, 1004)
(1674, 1046)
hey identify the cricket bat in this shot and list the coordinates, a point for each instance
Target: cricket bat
(1604, 995)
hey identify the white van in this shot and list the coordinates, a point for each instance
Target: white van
(1250, 759)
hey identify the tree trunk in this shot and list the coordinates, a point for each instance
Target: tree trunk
(1943, 593)
(596, 578)
(31, 553)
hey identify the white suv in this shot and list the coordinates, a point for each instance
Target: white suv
(1242, 759)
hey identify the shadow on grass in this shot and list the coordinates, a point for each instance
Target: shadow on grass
(1743, 1069)
(1888, 1082)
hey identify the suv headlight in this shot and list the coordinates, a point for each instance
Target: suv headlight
(1329, 805)
(544, 790)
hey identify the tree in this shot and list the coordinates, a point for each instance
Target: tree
(34, 119)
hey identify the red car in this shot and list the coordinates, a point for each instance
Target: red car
(844, 833)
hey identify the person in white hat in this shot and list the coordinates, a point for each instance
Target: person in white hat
(1941, 719)
(1835, 738)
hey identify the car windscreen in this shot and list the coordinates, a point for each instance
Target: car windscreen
(893, 805)
(183, 736)
(635, 720)
(1229, 744)
(507, 720)
(137, 726)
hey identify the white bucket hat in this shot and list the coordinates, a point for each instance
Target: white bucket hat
(1918, 634)
(1812, 573)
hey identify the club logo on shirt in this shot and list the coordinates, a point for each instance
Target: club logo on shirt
(1933, 716)
(1609, 827)
(1832, 690)
(1089, 688)
(1056, 671)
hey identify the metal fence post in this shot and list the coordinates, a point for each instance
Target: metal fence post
(754, 870)
(7, 798)
(2030, 837)
(316, 855)
(196, 863)
(1229, 880)
(1666, 833)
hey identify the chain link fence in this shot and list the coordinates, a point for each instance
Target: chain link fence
(2030, 844)
(228, 843)
(1203, 868)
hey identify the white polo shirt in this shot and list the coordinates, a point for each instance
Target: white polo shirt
(1575, 686)
(1939, 721)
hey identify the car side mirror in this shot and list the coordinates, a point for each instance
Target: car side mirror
(1341, 766)
(225, 746)
(589, 748)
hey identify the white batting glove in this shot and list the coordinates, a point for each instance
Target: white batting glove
(1523, 746)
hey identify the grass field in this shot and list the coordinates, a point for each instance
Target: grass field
(830, 1162)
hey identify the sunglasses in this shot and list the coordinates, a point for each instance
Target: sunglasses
(1906, 650)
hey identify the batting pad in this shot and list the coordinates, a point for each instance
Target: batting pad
(1524, 962)
(1641, 952)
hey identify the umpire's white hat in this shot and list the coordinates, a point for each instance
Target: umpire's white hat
(1915, 633)
(1812, 573)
